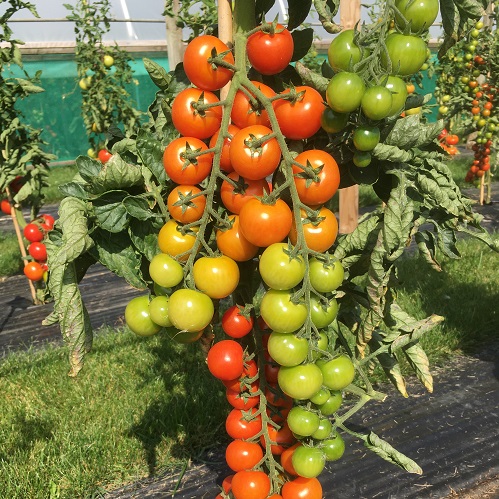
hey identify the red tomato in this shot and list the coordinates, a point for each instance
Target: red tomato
(270, 53)
(250, 157)
(241, 383)
(320, 234)
(303, 488)
(48, 219)
(239, 427)
(286, 462)
(235, 324)
(104, 156)
(225, 360)
(33, 233)
(190, 121)
(184, 211)
(183, 169)
(5, 206)
(241, 455)
(250, 485)
(300, 118)
(247, 110)
(320, 185)
(233, 244)
(281, 439)
(200, 71)
(225, 163)
(264, 224)
(235, 197)
(241, 400)
(38, 251)
(33, 271)
(452, 139)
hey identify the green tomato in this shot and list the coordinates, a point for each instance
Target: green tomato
(287, 349)
(325, 277)
(280, 313)
(322, 342)
(190, 310)
(324, 430)
(333, 122)
(158, 310)
(343, 53)
(308, 462)
(344, 92)
(366, 138)
(406, 54)
(278, 270)
(321, 397)
(333, 448)
(377, 102)
(332, 404)
(138, 318)
(323, 314)
(300, 382)
(361, 159)
(108, 60)
(421, 14)
(302, 422)
(183, 337)
(398, 89)
(165, 270)
(337, 373)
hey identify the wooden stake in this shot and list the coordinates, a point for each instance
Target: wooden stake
(225, 32)
(22, 248)
(482, 189)
(349, 197)
(174, 38)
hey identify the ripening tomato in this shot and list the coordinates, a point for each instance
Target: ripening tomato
(173, 242)
(191, 119)
(252, 155)
(308, 462)
(241, 455)
(278, 270)
(138, 317)
(225, 164)
(324, 276)
(38, 251)
(247, 110)
(235, 324)
(280, 313)
(233, 244)
(186, 204)
(104, 156)
(319, 180)
(33, 271)
(452, 139)
(235, 196)
(320, 231)
(250, 485)
(190, 310)
(300, 382)
(5, 206)
(300, 118)
(216, 276)
(165, 270)
(264, 224)
(287, 349)
(270, 52)
(181, 165)
(198, 67)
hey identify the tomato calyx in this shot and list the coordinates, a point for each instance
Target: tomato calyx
(256, 143)
(200, 106)
(217, 60)
(309, 173)
(190, 155)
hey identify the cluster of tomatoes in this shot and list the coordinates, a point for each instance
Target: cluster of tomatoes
(481, 160)
(448, 142)
(35, 232)
(14, 188)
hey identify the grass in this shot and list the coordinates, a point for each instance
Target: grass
(10, 255)
(142, 406)
(58, 175)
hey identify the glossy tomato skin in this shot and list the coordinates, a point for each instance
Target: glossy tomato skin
(270, 53)
(257, 162)
(301, 118)
(377, 102)
(233, 244)
(308, 462)
(406, 53)
(278, 270)
(366, 138)
(172, 242)
(302, 421)
(225, 164)
(104, 156)
(337, 373)
(188, 212)
(241, 455)
(325, 277)
(190, 310)
(250, 485)
(343, 53)
(239, 400)
(158, 310)
(192, 123)
(323, 314)
(237, 427)
(420, 13)
(324, 183)
(225, 360)
(318, 237)
(398, 89)
(33, 233)
(33, 271)
(235, 324)
(333, 447)
(216, 276)
(302, 488)
(280, 313)
(138, 318)
(165, 270)
(333, 122)
(345, 91)
(300, 382)
(5, 206)
(174, 159)
(332, 404)
(287, 349)
(202, 73)
(38, 251)
(264, 224)
(234, 197)
(246, 113)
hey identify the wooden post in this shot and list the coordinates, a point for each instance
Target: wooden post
(349, 197)
(225, 32)
(174, 38)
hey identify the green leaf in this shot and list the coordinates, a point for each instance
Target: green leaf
(138, 207)
(110, 211)
(426, 245)
(419, 362)
(74, 189)
(470, 8)
(116, 174)
(157, 73)
(88, 168)
(144, 236)
(410, 132)
(150, 152)
(298, 11)
(413, 331)
(28, 86)
(302, 42)
(115, 251)
(394, 154)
